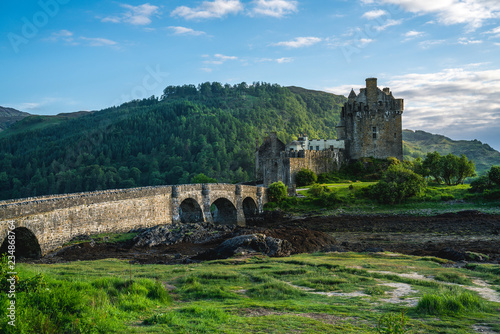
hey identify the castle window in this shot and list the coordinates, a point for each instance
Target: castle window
(374, 133)
(317, 148)
(395, 135)
(331, 147)
(310, 148)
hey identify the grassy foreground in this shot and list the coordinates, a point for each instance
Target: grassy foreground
(308, 293)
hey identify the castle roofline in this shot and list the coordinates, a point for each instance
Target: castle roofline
(352, 94)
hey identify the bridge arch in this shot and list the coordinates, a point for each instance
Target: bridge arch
(250, 208)
(190, 211)
(224, 212)
(26, 244)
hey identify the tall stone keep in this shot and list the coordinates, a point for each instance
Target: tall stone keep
(371, 123)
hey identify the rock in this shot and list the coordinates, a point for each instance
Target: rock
(176, 233)
(452, 254)
(253, 243)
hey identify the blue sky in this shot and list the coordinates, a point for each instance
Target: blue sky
(441, 56)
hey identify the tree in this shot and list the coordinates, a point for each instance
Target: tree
(202, 178)
(466, 168)
(277, 191)
(305, 177)
(432, 166)
(449, 168)
(494, 175)
(397, 184)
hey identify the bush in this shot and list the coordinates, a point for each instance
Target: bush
(316, 190)
(398, 183)
(480, 184)
(305, 177)
(447, 197)
(277, 191)
(494, 175)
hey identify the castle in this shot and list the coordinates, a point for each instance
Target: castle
(370, 126)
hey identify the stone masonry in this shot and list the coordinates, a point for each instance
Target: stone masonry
(54, 220)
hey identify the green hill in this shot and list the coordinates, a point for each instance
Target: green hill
(419, 143)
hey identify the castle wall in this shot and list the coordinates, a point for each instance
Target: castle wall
(317, 161)
(385, 141)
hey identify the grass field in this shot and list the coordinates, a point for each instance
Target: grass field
(436, 199)
(308, 293)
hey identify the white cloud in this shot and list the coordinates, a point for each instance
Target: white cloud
(275, 8)
(467, 41)
(62, 35)
(430, 43)
(209, 9)
(98, 41)
(43, 104)
(413, 34)
(299, 42)
(278, 60)
(473, 13)
(136, 15)
(284, 60)
(69, 38)
(373, 14)
(387, 24)
(495, 32)
(364, 41)
(186, 31)
(218, 59)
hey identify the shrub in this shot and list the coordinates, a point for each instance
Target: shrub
(447, 197)
(277, 191)
(480, 184)
(202, 178)
(316, 190)
(305, 177)
(398, 183)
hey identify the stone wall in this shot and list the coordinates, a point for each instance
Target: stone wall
(54, 220)
(317, 161)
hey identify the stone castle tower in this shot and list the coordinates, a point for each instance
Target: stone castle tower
(371, 123)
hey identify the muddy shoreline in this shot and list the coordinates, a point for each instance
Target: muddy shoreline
(463, 236)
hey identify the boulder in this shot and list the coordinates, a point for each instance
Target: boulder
(177, 233)
(253, 243)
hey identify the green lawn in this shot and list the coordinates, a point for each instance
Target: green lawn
(436, 199)
(308, 293)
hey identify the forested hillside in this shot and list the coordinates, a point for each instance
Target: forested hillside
(209, 128)
(419, 143)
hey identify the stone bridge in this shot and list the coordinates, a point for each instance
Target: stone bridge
(43, 224)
